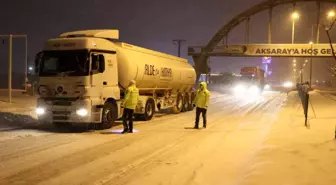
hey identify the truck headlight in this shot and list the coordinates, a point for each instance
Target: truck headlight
(254, 90)
(239, 90)
(40, 111)
(82, 112)
(288, 84)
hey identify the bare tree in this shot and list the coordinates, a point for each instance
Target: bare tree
(331, 65)
(327, 29)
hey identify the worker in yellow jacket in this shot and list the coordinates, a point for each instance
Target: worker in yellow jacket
(201, 102)
(129, 104)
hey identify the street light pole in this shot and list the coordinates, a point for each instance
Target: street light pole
(26, 64)
(293, 31)
(301, 73)
(270, 25)
(10, 61)
(294, 15)
(10, 52)
(311, 68)
(318, 22)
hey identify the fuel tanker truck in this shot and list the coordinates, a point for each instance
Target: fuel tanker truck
(83, 76)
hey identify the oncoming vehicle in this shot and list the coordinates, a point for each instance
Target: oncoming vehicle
(251, 82)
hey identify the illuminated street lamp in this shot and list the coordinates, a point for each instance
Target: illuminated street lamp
(295, 16)
(331, 14)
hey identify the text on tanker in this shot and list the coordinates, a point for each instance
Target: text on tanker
(151, 71)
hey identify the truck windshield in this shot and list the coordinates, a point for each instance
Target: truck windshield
(69, 63)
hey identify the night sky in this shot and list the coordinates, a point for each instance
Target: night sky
(154, 24)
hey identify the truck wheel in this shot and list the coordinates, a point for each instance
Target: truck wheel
(179, 104)
(149, 110)
(186, 103)
(109, 116)
(192, 98)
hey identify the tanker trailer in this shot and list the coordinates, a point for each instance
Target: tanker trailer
(83, 76)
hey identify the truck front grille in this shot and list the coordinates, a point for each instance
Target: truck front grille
(62, 103)
(61, 112)
(61, 115)
(60, 118)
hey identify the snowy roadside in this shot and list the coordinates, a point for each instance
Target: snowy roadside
(20, 105)
(16, 115)
(293, 154)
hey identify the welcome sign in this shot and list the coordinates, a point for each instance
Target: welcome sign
(288, 50)
(272, 50)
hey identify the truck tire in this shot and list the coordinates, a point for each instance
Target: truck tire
(179, 104)
(186, 103)
(109, 115)
(149, 110)
(192, 98)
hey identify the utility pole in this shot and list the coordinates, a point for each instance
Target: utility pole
(10, 61)
(179, 42)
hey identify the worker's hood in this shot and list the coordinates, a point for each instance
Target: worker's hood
(204, 85)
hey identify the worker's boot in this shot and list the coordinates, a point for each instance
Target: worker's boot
(124, 131)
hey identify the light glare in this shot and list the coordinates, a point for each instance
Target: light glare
(295, 15)
(82, 112)
(40, 111)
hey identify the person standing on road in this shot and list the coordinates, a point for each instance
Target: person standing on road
(129, 104)
(201, 102)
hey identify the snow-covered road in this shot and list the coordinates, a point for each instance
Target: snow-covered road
(163, 151)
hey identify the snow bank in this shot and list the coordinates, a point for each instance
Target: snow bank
(20, 113)
(293, 154)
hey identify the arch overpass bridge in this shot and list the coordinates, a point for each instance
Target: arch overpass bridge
(201, 54)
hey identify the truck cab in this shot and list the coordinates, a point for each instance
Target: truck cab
(78, 79)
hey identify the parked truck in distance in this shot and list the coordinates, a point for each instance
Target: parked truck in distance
(83, 76)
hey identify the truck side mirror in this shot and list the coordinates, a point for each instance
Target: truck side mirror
(101, 61)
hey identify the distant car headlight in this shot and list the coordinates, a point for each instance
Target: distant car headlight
(82, 112)
(288, 84)
(40, 111)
